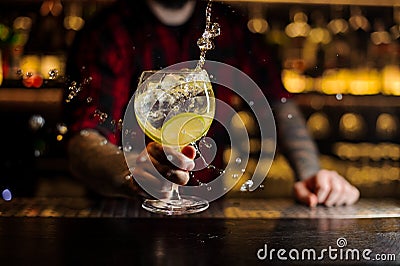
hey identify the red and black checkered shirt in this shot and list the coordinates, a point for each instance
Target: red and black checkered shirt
(126, 38)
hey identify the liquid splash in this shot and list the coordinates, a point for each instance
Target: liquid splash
(205, 42)
(74, 88)
(101, 116)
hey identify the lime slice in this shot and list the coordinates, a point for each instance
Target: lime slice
(183, 129)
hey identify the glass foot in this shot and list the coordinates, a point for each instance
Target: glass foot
(185, 205)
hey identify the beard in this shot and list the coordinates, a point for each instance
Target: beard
(173, 4)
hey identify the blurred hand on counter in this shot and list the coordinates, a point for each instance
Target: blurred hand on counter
(327, 188)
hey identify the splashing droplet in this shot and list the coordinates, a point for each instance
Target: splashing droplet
(6, 194)
(36, 122)
(84, 133)
(119, 125)
(247, 185)
(205, 42)
(128, 148)
(53, 74)
(20, 73)
(102, 116)
(62, 128)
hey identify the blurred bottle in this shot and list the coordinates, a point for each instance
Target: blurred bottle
(1, 69)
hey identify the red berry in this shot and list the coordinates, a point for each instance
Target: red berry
(27, 81)
(37, 81)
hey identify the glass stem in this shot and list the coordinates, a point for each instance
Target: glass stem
(175, 192)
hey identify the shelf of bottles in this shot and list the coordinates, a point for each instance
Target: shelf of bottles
(342, 63)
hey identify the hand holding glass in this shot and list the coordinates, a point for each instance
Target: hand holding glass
(175, 108)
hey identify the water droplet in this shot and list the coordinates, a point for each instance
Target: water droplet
(235, 176)
(103, 142)
(339, 96)
(128, 177)
(62, 128)
(119, 126)
(84, 133)
(251, 103)
(127, 148)
(170, 158)
(102, 116)
(243, 170)
(247, 185)
(89, 99)
(238, 160)
(20, 73)
(73, 89)
(290, 116)
(209, 188)
(206, 143)
(36, 153)
(6, 194)
(36, 122)
(53, 74)
(283, 100)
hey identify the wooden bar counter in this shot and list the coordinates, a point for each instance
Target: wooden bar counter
(233, 231)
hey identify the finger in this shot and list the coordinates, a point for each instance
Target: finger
(322, 185)
(345, 195)
(304, 195)
(170, 156)
(155, 168)
(353, 197)
(151, 184)
(144, 177)
(178, 176)
(335, 192)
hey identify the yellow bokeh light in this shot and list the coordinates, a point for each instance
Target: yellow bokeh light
(318, 125)
(295, 82)
(352, 125)
(391, 80)
(387, 125)
(258, 25)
